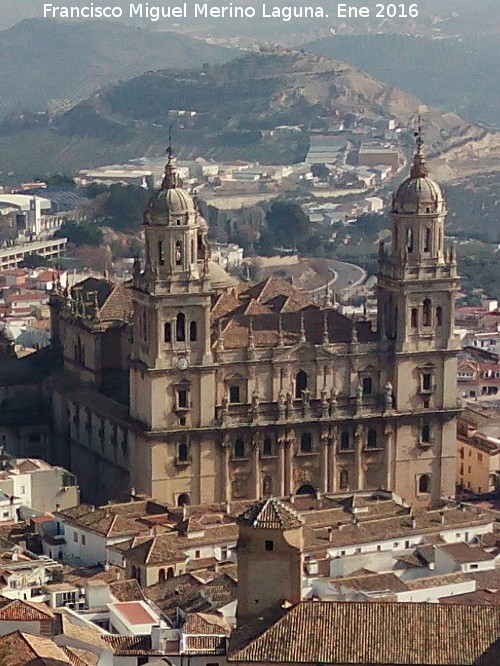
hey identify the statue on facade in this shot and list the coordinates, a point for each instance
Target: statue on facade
(388, 395)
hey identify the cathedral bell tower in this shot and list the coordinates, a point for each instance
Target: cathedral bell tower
(171, 299)
(417, 285)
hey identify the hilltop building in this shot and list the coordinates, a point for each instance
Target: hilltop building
(188, 387)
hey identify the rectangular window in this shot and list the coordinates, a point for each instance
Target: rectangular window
(306, 442)
(427, 381)
(197, 554)
(182, 399)
(83, 539)
(161, 256)
(474, 566)
(75, 537)
(234, 394)
(367, 385)
(269, 545)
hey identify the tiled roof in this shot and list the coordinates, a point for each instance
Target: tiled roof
(130, 645)
(462, 552)
(161, 549)
(207, 624)
(19, 649)
(79, 657)
(126, 590)
(384, 582)
(372, 633)
(18, 610)
(476, 598)
(205, 645)
(271, 514)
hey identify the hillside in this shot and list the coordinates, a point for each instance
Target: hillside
(234, 102)
(50, 63)
(441, 72)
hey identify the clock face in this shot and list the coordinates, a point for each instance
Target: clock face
(183, 364)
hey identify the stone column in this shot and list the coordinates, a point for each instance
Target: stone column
(389, 455)
(324, 444)
(358, 453)
(332, 459)
(281, 466)
(226, 464)
(289, 465)
(256, 472)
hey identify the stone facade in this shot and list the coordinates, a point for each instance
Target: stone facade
(240, 392)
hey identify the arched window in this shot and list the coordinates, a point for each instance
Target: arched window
(439, 316)
(181, 327)
(170, 572)
(427, 240)
(167, 332)
(426, 312)
(184, 499)
(267, 448)
(192, 331)
(239, 448)
(161, 576)
(344, 440)
(300, 383)
(306, 490)
(414, 318)
(344, 479)
(424, 484)
(178, 253)
(183, 453)
(161, 255)
(371, 440)
(426, 433)
(409, 240)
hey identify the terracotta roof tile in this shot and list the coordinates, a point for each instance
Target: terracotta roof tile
(18, 610)
(271, 514)
(20, 649)
(205, 645)
(372, 633)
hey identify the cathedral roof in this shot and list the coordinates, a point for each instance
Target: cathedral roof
(418, 194)
(114, 301)
(270, 514)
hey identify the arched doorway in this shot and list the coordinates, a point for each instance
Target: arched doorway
(306, 489)
(183, 499)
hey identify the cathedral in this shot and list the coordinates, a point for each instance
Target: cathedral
(188, 386)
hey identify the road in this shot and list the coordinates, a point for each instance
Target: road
(346, 276)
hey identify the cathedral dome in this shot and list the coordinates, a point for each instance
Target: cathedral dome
(418, 194)
(170, 200)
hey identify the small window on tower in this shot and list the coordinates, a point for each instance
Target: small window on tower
(427, 240)
(167, 332)
(367, 385)
(234, 394)
(426, 312)
(414, 318)
(306, 442)
(182, 399)
(269, 546)
(192, 331)
(409, 240)
(181, 327)
(439, 316)
(161, 256)
(426, 433)
(344, 440)
(427, 381)
(178, 253)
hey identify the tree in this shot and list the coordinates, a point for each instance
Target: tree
(60, 180)
(34, 261)
(288, 223)
(125, 206)
(81, 233)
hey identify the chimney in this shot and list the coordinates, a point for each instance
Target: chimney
(184, 511)
(413, 524)
(292, 499)
(228, 507)
(319, 495)
(92, 508)
(442, 514)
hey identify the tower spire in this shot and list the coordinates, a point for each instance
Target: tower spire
(170, 179)
(419, 168)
